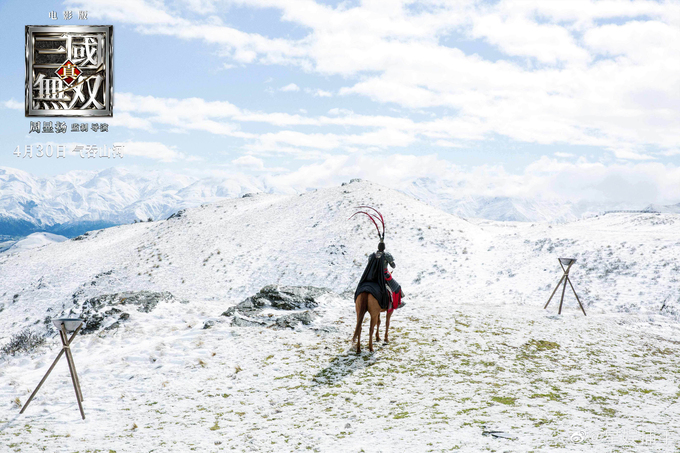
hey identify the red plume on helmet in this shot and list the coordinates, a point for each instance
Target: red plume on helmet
(374, 218)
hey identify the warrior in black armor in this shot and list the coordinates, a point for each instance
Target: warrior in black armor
(392, 284)
(376, 278)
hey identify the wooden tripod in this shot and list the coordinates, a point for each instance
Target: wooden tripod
(65, 350)
(568, 262)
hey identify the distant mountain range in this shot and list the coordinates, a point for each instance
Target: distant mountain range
(79, 201)
(446, 197)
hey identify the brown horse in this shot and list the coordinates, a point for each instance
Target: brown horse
(367, 303)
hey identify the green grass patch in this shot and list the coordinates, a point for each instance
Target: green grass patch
(550, 396)
(541, 345)
(508, 400)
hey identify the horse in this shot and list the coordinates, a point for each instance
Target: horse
(366, 302)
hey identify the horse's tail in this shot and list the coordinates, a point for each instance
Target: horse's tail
(361, 305)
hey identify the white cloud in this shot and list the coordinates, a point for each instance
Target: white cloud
(181, 114)
(640, 41)
(250, 162)
(319, 93)
(12, 104)
(447, 144)
(255, 164)
(610, 86)
(628, 154)
(643, 182)
(125, 119)
(290, 87)
(151, 150)
(519, 35)
(545, 178)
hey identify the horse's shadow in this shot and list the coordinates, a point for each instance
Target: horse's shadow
(342, 365)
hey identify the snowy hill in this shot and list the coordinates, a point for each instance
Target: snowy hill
(36, 240)
(473, 350)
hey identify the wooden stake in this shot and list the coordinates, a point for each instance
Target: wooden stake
(66, 343)
(563, 281)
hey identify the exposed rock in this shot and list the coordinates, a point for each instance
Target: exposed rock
(294, 319)
(243, 322)
(208, 324)
(99, 310)
(229, 312)
(145, 301)
(282, 298)
(177, 214)
(289, 297)
(91, 323)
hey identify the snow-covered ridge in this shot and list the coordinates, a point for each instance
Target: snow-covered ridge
(222, 252)
(80, 201)
(36, 240)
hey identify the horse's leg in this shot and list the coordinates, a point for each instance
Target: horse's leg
(387, 324)
(374, 310)
(377, 329)
(360, 306)
(370, 333)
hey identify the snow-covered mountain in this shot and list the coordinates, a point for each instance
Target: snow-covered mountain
(446, 196)
(674, 208)
(473, 350)
(80, 201)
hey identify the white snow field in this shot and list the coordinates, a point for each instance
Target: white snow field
(36, 240)
(472, 351)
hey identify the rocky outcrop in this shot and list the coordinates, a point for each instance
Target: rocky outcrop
(108, 311)
(300, 300)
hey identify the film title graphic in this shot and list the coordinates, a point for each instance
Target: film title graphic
(69, 70)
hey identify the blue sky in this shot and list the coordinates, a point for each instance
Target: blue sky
(575, 99)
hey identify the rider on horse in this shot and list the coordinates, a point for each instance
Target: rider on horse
(376, 278)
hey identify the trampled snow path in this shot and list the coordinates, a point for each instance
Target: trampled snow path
(472, 351)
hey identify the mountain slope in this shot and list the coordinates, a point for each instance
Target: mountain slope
(229, 249)
(472, 351)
